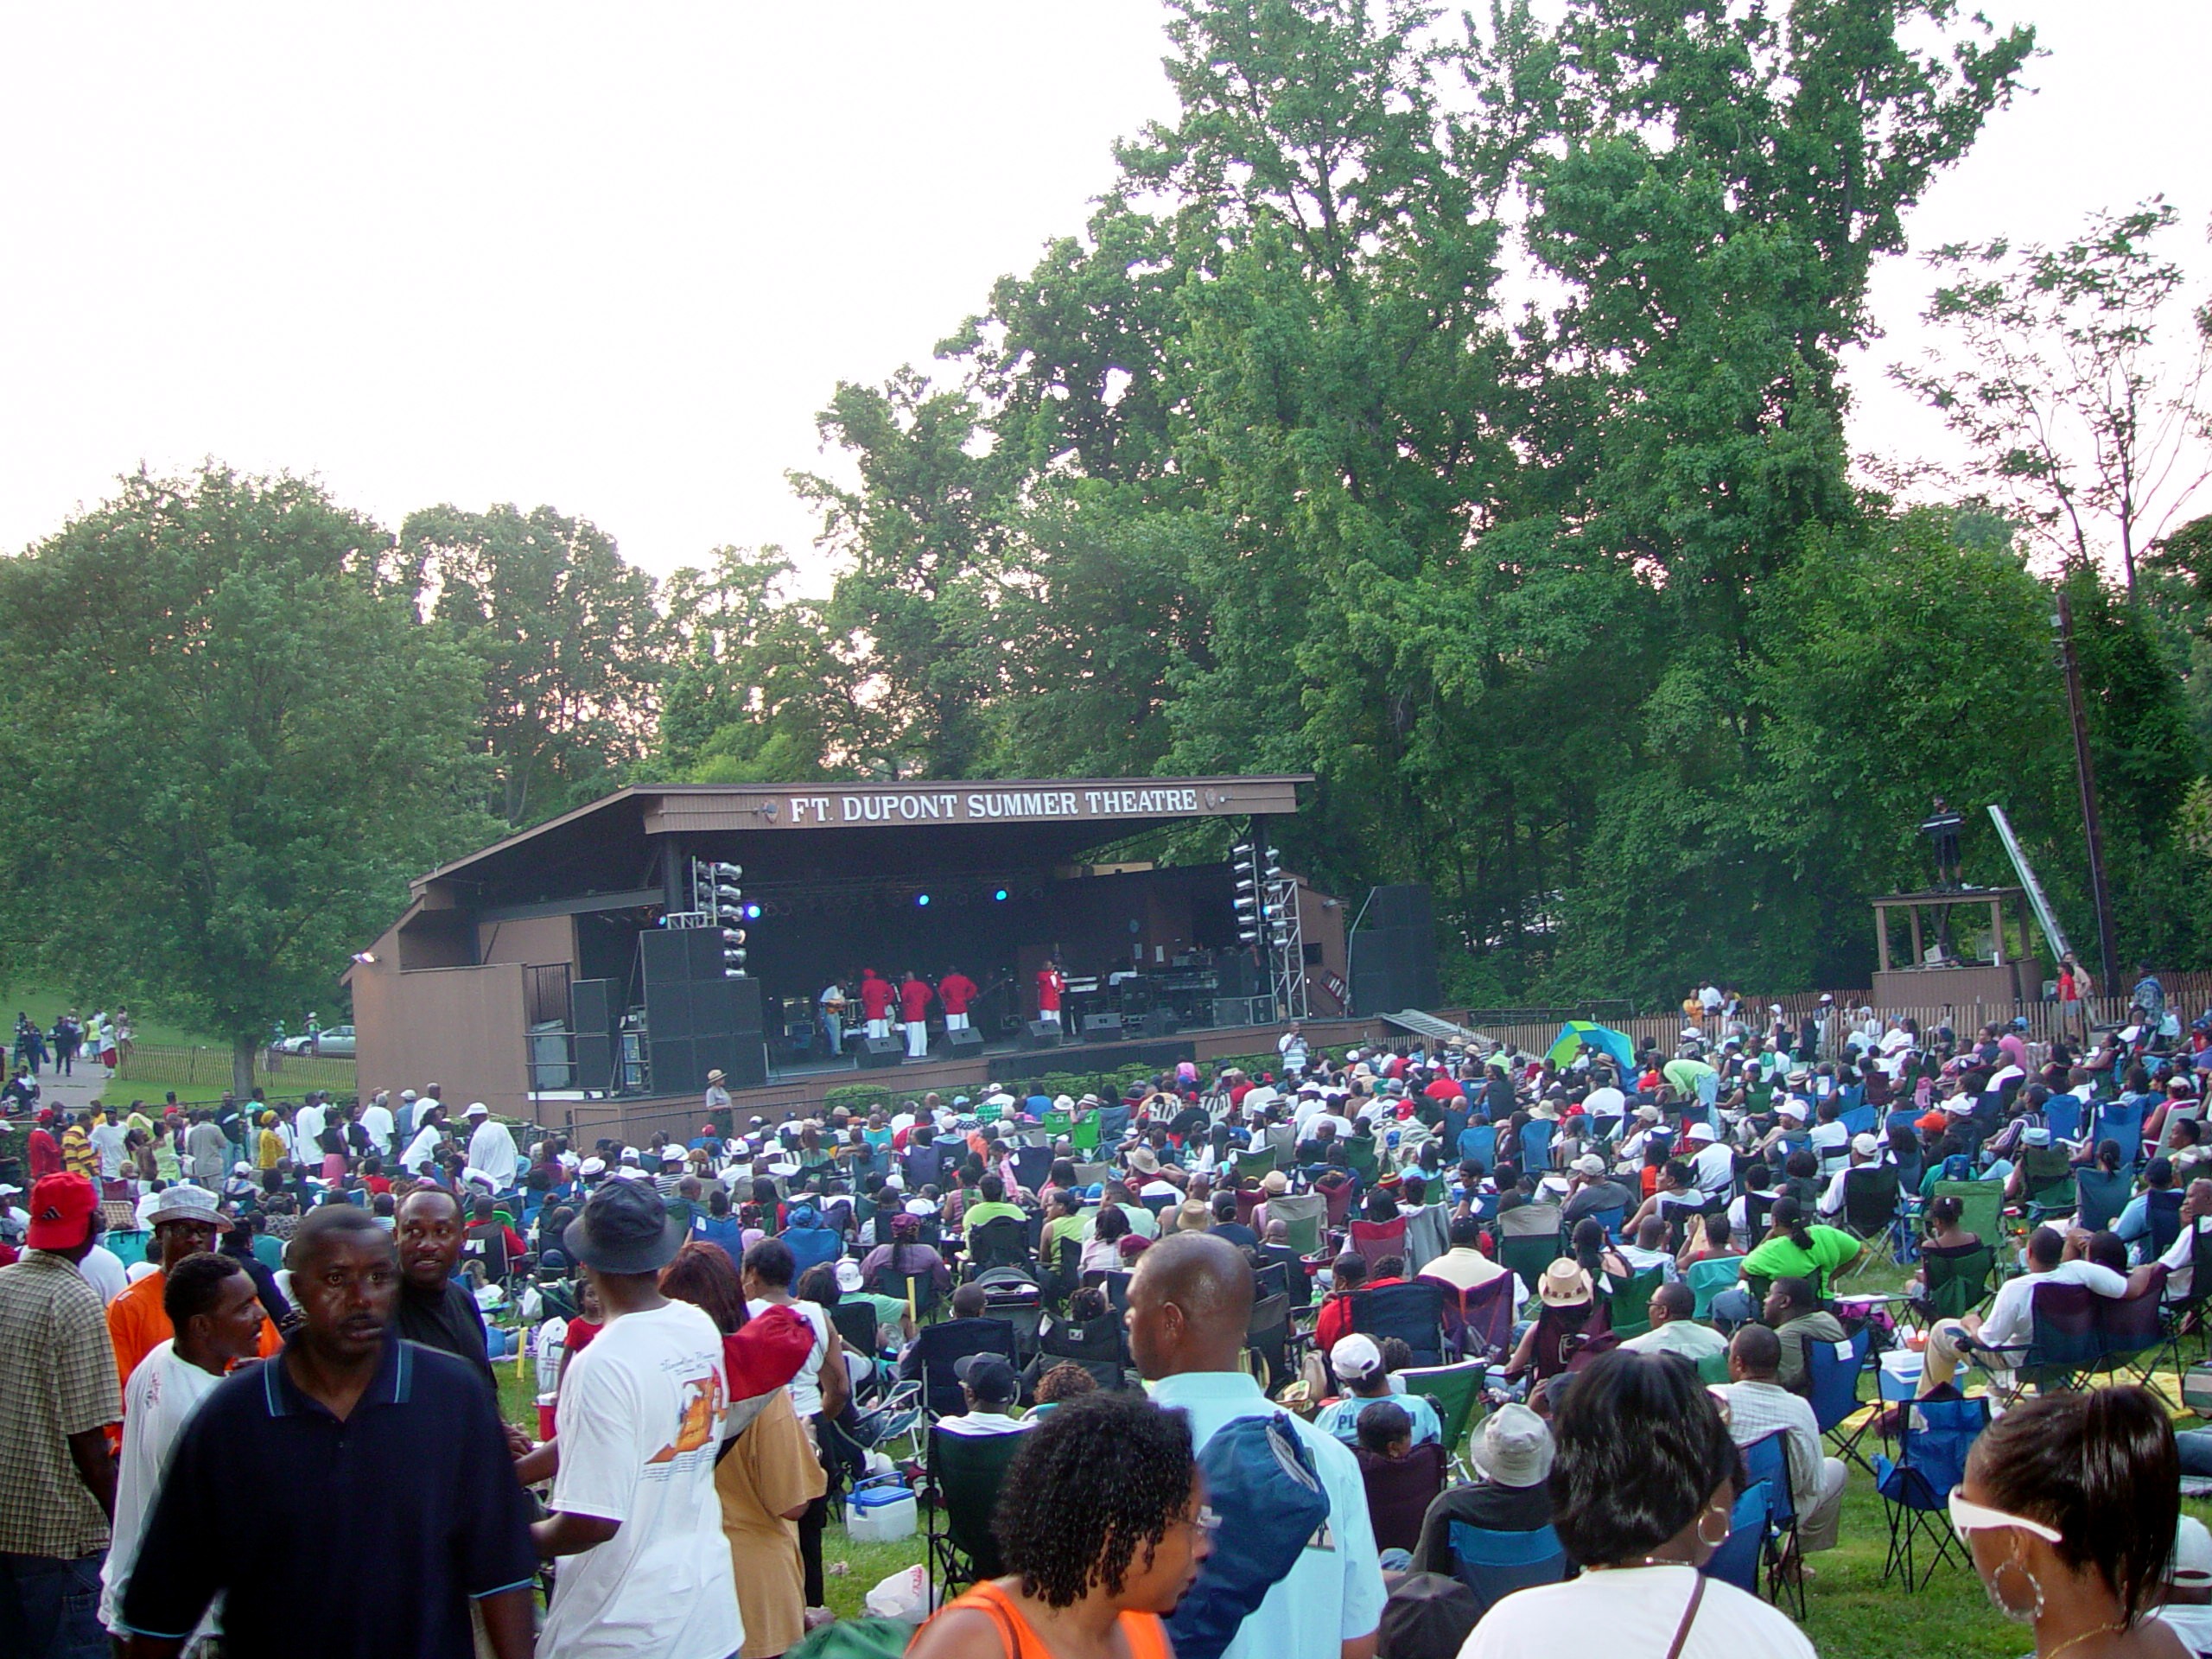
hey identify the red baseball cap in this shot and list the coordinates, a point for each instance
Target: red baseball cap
(61, 1205)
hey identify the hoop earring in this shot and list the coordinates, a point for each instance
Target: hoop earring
(1997, 1597)
(1725, 1528)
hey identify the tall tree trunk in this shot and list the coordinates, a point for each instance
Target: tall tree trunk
(242, 1052)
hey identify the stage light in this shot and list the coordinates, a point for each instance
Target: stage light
(922, 898)
(1000, 895)
(753, 912)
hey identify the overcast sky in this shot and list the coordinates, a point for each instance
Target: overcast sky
(614, 258)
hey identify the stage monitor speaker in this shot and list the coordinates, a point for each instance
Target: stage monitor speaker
(1040, 1033)
(960, 1045)
(1101, 1028)
(1161, 1022)
(876, 1053)
(1237, 975)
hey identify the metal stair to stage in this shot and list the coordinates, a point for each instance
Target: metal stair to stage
(1436, 1030)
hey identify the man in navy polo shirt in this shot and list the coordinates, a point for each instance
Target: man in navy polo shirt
(351, 1496)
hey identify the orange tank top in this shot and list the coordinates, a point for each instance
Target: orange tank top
(1146, 1635)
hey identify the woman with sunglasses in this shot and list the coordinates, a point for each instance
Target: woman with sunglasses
(1102, 1526)
(2069, 1506)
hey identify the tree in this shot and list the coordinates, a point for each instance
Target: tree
(230, 739)
(2082, 418)
(566, 641)
(757, 691)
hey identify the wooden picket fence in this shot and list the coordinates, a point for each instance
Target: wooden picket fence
(193, 1065)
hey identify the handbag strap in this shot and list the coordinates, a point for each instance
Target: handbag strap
(1689, 1616)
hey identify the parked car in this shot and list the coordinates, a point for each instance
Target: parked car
(334, 1044)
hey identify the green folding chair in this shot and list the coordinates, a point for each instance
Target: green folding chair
(1628, 1308)
(1302, 1215)
(1707, 1280)
(1954, 1285)
(1084, 1137)
(1529, 1255)
(1981, 1206)
(1455, 1391)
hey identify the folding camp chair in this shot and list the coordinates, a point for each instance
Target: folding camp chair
(964, 1472)
(2122, 1121)
(937, 1348)
(1628, 1305)
(1870, 1211)
(1399, 1494)
(1001, 1242)
(1427, 1236)
(1100, 1346)
(1266, 1342)
(1737, 1561)
(1981, 1205)
(1372, 1241)
(2047, 1178)
(1766, 1460)
(1493, 1565)
(2063, 1346)
(1301, 1214)
(1479, 1323)
(1536, 1144)
(1413, 1312)
(2100, 1196)
(2061, 1116)
(2131, 1326)
(2180, 1317)
(1833, 1370)
(1956, 1283)
(1360, 1158)
(1479, 1143)
(857, 1324)
(1915, 1489)
(1527, 1255)
(1708, 1279)
(1455, 1391)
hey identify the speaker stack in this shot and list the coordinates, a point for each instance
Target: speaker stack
(697, 1018)
(875, 1053)
(591, 1015)
(1040, 1033)
(1394, 958)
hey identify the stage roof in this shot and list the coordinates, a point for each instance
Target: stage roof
(825, 832)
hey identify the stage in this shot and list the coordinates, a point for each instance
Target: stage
(635, 1120)
(581, 963)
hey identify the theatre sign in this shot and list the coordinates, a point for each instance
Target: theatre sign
(840, 806)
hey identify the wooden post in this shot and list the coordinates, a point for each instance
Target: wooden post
(1918, 955)
(1882, 934)
(1997, 929)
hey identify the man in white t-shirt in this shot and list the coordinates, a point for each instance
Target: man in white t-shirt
(376, 1120)
(491, 1148)
(107, 1138)
(422, 1148)
(210, 1301)
(308, 1124)
(990, 1390)
(641, 1419)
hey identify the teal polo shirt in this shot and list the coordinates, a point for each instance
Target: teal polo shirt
(1334, 1594)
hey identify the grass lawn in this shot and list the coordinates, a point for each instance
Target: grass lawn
(1850, 1612)
(44, 1003)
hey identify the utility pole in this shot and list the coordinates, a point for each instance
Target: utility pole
(2085, 776)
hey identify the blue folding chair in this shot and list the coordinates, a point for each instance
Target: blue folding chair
(1915, 1489)
(1766, 1461)
(1493, 1565)
(1611, 1219)
(1737, 1561)
(2099, 1195)
(2123, 1122)
(1536, 1144)
(2061, 1116)
(1479, 1143)
(1834, 1392)
(1860, 1120)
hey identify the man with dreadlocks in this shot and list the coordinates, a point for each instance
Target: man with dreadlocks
(1102, 1528)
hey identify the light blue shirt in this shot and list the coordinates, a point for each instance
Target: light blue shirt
(1341, 1417)
(1334, 1594)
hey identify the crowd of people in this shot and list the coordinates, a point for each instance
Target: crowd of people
(298, 1374)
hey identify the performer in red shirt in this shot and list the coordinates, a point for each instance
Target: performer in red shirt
(955, 992)
(1050, 982)
(875, 1003)
(914, 998)
(45, 1150)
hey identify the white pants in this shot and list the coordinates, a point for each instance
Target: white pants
(1052, 1015)
(879, 1028)
(917, 1039)
(955, 1022)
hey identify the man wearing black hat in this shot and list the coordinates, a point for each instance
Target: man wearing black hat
(992, 1390)
(640, 1420)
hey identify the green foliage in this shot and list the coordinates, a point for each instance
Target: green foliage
(232, 739)
(565, 638)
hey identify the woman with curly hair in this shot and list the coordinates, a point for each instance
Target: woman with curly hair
(1102, 1525)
